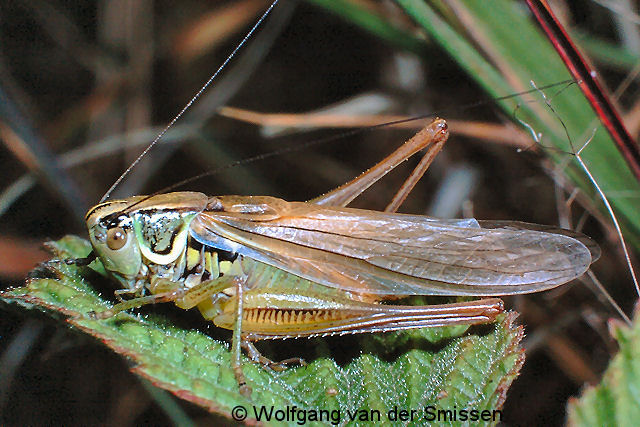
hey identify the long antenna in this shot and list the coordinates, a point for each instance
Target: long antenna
(330, 138)
(191, 101)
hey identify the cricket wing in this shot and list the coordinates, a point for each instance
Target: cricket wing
(393, 254)
(593, 247)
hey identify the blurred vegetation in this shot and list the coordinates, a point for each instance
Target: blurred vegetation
(614, 401)
(85, 86)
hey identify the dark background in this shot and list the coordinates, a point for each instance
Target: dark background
(80, 72)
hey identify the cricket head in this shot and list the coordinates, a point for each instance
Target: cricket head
(130, 235)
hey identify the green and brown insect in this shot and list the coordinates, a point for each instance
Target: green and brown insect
(266, 268)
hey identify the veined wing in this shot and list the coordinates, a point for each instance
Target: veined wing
(593, 247)
(393, 254)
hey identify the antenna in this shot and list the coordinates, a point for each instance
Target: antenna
(191, 101)
(331, 138)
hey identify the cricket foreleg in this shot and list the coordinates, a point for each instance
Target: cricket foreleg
(435, 133)
(137, 302)
(169, 291)
(137, 291)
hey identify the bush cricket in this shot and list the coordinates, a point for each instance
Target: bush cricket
(266, 268)
(226, 258)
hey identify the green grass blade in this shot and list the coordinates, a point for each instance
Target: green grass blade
(501, 48)
(512, 41)
(373, 23)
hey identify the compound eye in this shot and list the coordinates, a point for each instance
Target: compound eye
(116, 238)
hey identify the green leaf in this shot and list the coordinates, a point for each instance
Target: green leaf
(465, 369)
(616, 400)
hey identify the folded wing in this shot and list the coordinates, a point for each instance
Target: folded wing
(395, 254)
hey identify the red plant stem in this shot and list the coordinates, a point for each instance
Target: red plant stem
(587, 80)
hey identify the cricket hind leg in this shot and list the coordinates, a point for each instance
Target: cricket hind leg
(436, 133)
(416, 175)
(255, 355)
(371, 317)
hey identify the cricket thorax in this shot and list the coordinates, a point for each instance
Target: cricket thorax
(195, 264)
(171, 254)
(160, 230)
